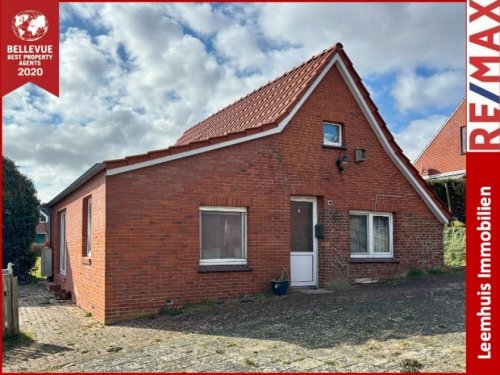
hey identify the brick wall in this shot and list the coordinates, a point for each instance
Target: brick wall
(152, 214)
(444, 153)
(84, 277)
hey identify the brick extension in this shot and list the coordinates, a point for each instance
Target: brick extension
(145, 239)
(444, 154)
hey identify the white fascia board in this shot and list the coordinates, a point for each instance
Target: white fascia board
(387, 147)
(278, 129)
(459, 173)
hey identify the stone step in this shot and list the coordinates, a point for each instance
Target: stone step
(53, 287)
(62, 294)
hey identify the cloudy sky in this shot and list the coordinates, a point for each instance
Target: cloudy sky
(135, 76)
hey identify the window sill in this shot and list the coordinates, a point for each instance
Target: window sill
(334, 147)
(225, 268)
(374, 260)
(87, 261)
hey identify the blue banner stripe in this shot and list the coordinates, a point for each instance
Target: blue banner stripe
(485, 93)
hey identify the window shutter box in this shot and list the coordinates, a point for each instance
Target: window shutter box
(359, 154)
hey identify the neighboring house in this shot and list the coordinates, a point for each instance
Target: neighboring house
(42, 230)
(256, 188)
(444, 155)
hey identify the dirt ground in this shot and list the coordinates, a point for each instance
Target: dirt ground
(414, 325)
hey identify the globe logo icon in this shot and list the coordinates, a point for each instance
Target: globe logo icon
(30, 25)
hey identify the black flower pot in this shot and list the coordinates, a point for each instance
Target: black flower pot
(279, 287)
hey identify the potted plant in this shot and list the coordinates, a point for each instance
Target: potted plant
(279, 285)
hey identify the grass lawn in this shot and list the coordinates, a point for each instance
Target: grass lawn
(36, 272)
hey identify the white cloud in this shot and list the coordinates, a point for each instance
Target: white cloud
(200, 17)
(378, 37)
(413, 92)
(417, 134)
(134, 76)
(240, 46)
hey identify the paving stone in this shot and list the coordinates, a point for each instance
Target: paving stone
(373, 327)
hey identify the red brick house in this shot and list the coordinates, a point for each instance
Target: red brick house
(444, 155)
(258, 187)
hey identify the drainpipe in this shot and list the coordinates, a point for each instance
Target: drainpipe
(447, 196)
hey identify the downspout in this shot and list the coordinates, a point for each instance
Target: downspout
(447, 196)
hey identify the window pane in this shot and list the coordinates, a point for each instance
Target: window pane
(63, 244)
(331, 134)
(381, 234)
(222, 235)
(301, 226)
(359, 234)
(89, 227)
(40, 238)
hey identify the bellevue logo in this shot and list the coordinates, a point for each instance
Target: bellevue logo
(30, 25)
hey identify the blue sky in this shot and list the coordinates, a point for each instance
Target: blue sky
(134, 76)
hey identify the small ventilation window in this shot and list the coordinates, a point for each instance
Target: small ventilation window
(332, 134)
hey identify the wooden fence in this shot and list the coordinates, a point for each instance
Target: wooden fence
(10, 306)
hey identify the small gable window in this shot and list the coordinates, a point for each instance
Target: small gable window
(332, 134)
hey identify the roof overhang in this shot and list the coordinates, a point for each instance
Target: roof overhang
(90, 173)
(438, 176)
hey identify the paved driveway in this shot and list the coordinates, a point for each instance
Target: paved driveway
(404, 325)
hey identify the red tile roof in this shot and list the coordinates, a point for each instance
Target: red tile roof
(259, 111)
(264, 108)
(267, 105)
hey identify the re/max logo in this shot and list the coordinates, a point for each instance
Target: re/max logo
(483, 75)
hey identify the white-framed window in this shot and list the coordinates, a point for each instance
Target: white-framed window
(223, 235)
(463, 140)
(89, 226)
(40, 238)
(332, 134)
(62, 246)
(371, 234)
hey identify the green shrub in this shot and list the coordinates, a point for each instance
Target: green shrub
(454, 245)
(20, 216)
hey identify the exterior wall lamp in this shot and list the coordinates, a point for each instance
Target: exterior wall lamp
(341, 161)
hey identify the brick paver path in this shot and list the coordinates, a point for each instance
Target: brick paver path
(412, 324)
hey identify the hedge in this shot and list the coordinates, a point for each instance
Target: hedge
(454, 244)
(456, 191)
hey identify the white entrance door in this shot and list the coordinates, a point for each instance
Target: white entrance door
(304, 245)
